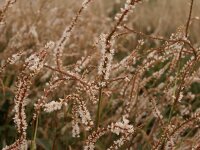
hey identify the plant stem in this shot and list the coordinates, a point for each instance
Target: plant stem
(33, 143)
(99, 108)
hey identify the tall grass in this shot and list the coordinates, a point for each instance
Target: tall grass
(99, 75)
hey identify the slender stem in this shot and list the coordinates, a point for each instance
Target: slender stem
(33, 143)
(99, 108)
(189, 18)
(174, 93)
(171, 113)
(175, 87)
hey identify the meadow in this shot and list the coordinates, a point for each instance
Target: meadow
(99, 75)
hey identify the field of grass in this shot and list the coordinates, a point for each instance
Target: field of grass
(99, 74)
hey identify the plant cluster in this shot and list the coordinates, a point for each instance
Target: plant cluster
(111, 92)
